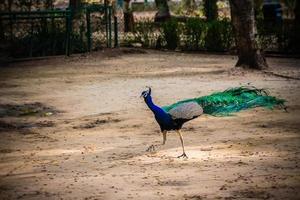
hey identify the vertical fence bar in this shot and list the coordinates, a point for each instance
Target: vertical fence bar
(52, 36)
(41, 18)
(31, 37)
(106, 20)
(67, 34)
(68, 14)
(44, 34)
(71, 30)
(11, 32)
(88, 32)
(116, 32)
(109, 27)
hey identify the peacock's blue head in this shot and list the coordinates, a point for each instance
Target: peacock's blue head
(146, 93)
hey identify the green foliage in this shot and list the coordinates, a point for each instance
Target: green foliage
(233, 100)
(267, 34)
(195, 29)
(194, 34)
(190, 5)
(43, 38)
(146, 33)
(128, 38)
(188, 8)
(276, 36)
(219, 35)
(46, 36)
(141, 7)
(79, 43)
(171, 33)
(177, 8)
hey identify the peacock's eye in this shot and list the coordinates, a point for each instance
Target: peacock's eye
(144, 94)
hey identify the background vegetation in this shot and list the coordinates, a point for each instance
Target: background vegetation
(194, 27)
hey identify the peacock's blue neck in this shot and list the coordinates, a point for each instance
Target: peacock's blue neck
(164, 119)
(151, 105)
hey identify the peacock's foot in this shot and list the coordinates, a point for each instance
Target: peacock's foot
(183, 156)
(151, 148)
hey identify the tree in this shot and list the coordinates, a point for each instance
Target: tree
(128, 17)
(243, 21)
(211, 9)
(163, 12)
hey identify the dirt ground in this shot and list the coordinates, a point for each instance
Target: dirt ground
(75, 128)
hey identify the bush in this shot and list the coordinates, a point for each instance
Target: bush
(36, 39)
(274, 36)
(170, 33)
(195, 29)
(147, 33)
(219, 36)
(194, 34)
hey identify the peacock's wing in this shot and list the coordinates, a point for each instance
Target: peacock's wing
(186, 111)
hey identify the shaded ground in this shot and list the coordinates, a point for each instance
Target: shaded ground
(76, 129)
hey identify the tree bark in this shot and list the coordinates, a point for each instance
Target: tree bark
(163, 12)
(243, 21)
(128, 17)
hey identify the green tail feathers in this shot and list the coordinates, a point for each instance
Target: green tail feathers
(233, 100)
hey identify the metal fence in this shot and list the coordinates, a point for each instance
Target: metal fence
(36, 33)
(56, 32)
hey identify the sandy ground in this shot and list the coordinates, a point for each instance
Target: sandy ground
(75, 128)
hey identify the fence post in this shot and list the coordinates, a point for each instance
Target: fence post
(106, 21)
(109, 26)
(69, 30)
(116, 32)
(52, 35)
(31, 37)
(88, 26)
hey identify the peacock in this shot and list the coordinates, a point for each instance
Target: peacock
(172, 117)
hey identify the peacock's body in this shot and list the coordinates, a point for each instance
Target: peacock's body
(224, 103)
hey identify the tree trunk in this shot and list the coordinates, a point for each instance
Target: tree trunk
(163, 12)
(128, 17)
(211, 9)
(242, 17)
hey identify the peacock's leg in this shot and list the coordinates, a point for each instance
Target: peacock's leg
(153, 147)
(182, 144)
(164, 137)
